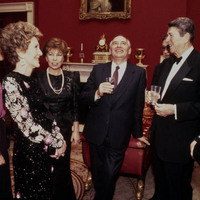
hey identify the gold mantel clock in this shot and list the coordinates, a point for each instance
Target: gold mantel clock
(101, 54)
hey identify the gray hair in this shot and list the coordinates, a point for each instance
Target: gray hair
(129, 44)
(184, 25)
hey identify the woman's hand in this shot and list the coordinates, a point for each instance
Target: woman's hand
(75, 138)
(61, 151)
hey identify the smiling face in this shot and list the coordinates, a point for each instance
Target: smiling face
(32, 54)
(165, 49)
(55, 59)
(176, 42)
(120, 49)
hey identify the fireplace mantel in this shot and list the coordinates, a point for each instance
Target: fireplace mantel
(84, 69)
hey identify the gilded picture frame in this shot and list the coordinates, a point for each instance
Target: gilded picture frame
(105, 9)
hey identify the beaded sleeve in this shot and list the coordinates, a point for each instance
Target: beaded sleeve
(19, 109)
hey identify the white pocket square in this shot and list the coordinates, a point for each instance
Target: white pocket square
(187, 79)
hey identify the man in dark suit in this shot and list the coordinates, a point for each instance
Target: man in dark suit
(177, 114)
(113, 115)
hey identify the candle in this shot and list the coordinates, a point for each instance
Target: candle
(81, 46)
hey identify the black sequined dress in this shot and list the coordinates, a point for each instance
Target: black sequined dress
(32, 164)
(64, 109)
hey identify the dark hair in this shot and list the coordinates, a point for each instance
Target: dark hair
(184, 25)
(17, 36)
(55, 43)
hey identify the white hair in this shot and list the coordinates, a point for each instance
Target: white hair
(129, 44)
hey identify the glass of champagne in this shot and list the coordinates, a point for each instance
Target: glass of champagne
(111, 81)
(155, 94)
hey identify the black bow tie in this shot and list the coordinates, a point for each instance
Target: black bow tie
(177, 60)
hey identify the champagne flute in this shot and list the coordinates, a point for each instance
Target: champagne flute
(155, 94)
(111, 81)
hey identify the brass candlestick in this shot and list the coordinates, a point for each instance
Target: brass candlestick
(81, 55)
(69, 54)
(140, 55)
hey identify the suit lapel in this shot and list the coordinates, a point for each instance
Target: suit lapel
(164, 74)
(106, 71)
(183, 71)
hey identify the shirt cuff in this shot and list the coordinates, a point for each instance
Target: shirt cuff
(175, 111)
(96, 96)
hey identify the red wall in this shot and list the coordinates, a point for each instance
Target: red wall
(145, 29)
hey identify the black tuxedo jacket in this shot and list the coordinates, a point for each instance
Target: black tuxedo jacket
(115, 115)
(171, 138)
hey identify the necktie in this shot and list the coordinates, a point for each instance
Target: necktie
(115, 76)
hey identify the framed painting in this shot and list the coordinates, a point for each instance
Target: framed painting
(105, 9)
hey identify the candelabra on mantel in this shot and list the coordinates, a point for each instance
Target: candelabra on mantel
(69, 54)
(81, 54)
(140, 55)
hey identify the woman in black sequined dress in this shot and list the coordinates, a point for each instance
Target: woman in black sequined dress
(35, 135)
(61, 90)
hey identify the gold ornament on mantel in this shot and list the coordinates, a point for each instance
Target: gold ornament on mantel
(140, 55)
(101, 54)
(69, 54)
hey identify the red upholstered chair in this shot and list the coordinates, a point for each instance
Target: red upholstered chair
(137, 156)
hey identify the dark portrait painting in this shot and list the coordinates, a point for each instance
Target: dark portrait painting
(105, 9)
(117, 5)
(105, 5)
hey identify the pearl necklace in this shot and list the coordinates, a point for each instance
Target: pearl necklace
(49, 81)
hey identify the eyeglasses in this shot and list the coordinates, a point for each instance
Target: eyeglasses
(165, 48)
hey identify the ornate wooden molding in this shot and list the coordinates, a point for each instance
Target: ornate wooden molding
(27, 7)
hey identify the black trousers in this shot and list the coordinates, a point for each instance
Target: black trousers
(105, 165)
(172, 180)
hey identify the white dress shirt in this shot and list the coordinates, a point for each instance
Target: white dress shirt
(122, 68)
(175, 68)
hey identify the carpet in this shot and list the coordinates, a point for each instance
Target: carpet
(79, 175)
(78, 185)
(126, 186)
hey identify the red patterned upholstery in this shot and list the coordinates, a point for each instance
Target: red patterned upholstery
(137, 156)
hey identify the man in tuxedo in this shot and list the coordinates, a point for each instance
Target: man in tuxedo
(177, 114)
(113, 115)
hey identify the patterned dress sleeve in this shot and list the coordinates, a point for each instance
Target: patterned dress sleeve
(19, 109)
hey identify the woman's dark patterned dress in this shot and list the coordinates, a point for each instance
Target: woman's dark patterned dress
(64, 109)
(32, 163)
